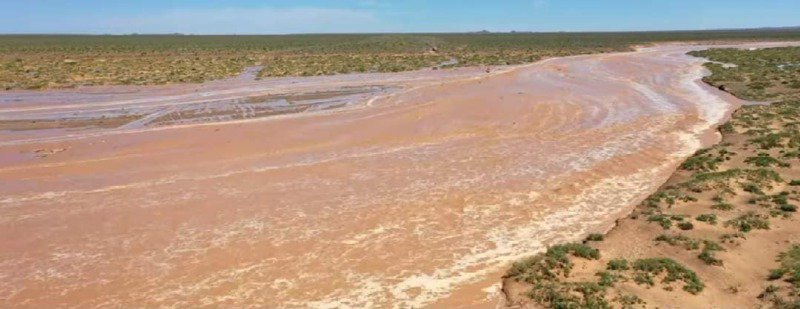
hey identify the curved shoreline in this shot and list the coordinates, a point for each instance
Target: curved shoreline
(626, 231)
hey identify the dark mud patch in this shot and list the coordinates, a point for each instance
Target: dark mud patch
(47, 124)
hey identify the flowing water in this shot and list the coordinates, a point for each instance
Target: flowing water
(373, 190)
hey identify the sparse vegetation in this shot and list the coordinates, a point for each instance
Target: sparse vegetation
(722, 205)
(618, 264)
(765, 160)
(664, 221)
(787, 208)
(546, 273)
(679, 240)
(595, 237)
(731, 237)
(708, 256)
(748, 222)
(552, 264)
(707, 218)
(550, 284)
(59, 61)
(685, 225)
(786, 295)
(756, 75)
(789, 267)
(714, 185)
(703, 161)
(648, 269)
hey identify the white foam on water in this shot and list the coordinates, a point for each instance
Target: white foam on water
(588, 211)
(711, 109)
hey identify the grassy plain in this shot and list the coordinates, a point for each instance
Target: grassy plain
(63, 61)
(722, 232)
(767, 74)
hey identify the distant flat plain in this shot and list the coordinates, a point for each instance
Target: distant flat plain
(64, 61)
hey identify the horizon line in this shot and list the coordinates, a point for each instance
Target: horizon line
(778, 28)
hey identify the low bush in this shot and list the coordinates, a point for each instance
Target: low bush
(768, 141)
(708, 254)
(752, 188)
(618, 264)
(702, 161)
(764, 160)
(707, 218)
(748, 222)
(679, 240)
(789, 267)
(594, 237)
(722, 206)
(686, 225)
(648, 269)
(709, 258)
(552, 264)
(662, 220)
(731, 237)
(781, 199)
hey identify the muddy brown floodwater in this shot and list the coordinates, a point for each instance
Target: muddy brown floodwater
(372, 190)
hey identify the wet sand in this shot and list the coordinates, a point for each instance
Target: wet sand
(415, 189)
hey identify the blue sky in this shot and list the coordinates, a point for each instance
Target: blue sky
(304, 16)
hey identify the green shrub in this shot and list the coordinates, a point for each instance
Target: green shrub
(788, 208)
(771, 289)
(727, 128)
(776, 274)
(579, 250)
(595, 237)
(789, 267)
(722, 206)
(607, 279)
(768, 141)
(662, 220)
(749, 221)
(643, 279)
(551, 264)
(731, 237)
(570, 295)
(707, 218)
(764, 160)
(702, 161)
(670, 195)
(679, 240)
(647, 269)
(713, 246)
(709, 258)
(629, 300)
(752, 188)
(685, 226)
(780, 199)
(618, 264)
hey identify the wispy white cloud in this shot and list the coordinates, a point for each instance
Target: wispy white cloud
(248, 21)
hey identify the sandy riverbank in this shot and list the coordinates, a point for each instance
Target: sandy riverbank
(726, 215)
